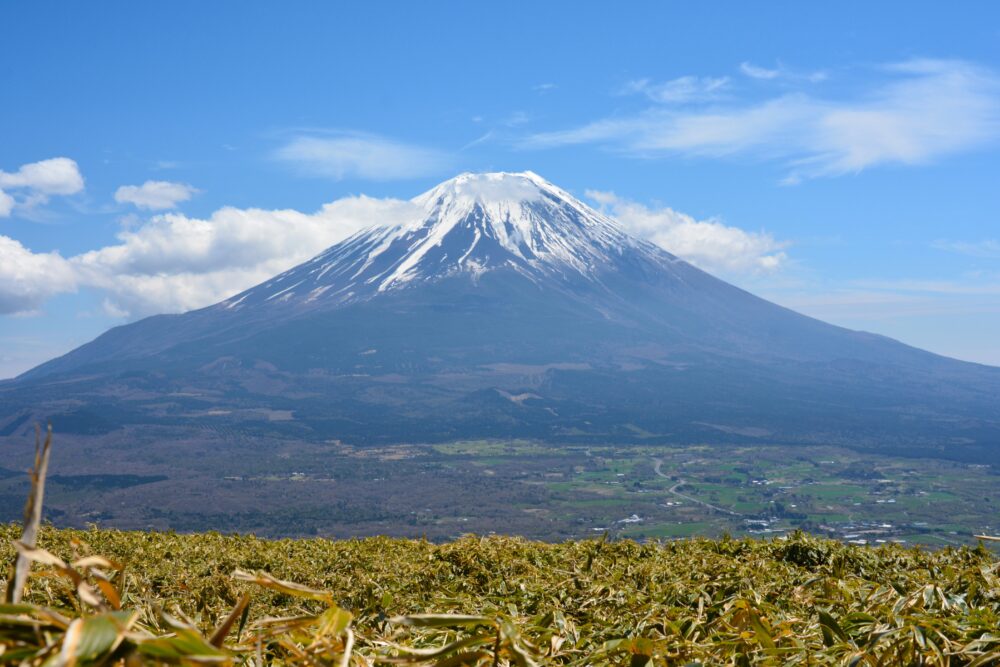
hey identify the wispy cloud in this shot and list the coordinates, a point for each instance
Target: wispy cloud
(516, 118)
(678, 91)
(708, 244)
(500, 130)
(987, 248)
(867, 309)
(971, 286)
(780, 72)
(756, 72)
(481, 139)
(921, 110)
(340, 155)
(891, 299)
(155, 195)
(32, 184)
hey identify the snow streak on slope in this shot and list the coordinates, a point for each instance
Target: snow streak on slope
(471, 224)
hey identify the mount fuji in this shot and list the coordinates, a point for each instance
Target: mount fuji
(511, 309)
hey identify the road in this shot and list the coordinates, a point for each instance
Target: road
(658, 464)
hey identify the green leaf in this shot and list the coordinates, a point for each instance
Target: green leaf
(87, 639)
(761, 632)
(831, 629)
(334, 621)
(239, 611)
(186, 644)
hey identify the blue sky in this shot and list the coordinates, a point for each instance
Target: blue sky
(842, 160)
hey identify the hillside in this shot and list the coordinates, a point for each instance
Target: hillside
(795, 601)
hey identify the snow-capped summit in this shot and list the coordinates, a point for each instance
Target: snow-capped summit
(475, 221)
(471, 224)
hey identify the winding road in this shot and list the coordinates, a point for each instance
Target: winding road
(657, 468)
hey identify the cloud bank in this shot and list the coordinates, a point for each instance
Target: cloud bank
(708, 244)
(174, 263)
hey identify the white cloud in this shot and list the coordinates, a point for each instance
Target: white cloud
(680, 90)
(708, 244)
(174, 263)
(35, 182)
(6, 204)
(56, 176)
(756, 72)
(27, 279)
(344, 155)
(155, 195)
(923, 110)
(780, 72)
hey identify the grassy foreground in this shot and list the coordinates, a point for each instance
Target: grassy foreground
(498, 601)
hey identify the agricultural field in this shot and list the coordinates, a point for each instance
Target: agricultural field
(683, 491)
(286, 488)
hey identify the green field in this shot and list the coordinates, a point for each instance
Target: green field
(764, 490)
(542, 491)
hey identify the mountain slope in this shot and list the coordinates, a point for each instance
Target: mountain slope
(513, 309)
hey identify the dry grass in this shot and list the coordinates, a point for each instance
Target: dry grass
(502, 601)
